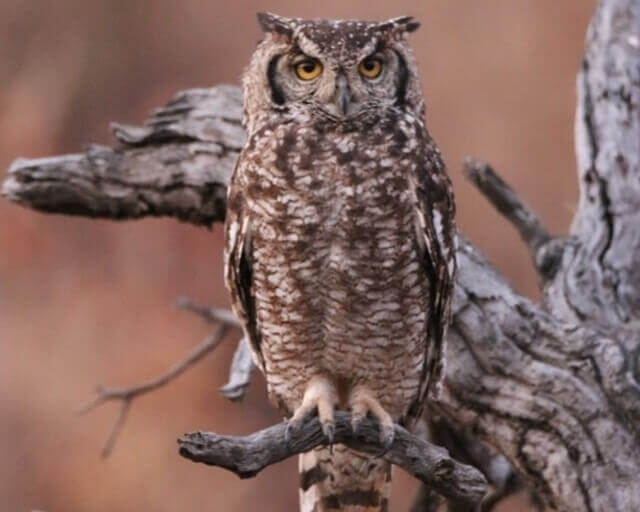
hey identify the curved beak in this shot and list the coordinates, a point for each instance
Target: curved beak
(343, 94)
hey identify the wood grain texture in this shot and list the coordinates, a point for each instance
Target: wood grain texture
(246, 456)
(554, 387)
(176, 165)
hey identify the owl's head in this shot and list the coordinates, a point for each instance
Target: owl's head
(339, 72)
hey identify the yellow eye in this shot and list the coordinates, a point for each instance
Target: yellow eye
(308, 69)
(370, 67)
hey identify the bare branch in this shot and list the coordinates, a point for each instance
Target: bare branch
(126, 395)
(545, 250)
(242, 363)
(177, 165)
(211, 315)
(116, 428)
(246, 456)
(507, 202)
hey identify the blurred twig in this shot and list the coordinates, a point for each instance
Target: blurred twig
(242, 363)
(125, 396)
(212, 315)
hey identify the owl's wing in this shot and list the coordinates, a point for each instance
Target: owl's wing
(436, 235)
(238, 263)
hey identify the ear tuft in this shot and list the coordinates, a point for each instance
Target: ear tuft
(272, 23)
(407, 23)
(403, 24)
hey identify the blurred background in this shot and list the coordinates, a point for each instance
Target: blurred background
(84, 302)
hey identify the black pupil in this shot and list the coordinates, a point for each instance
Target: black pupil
(369, 65)
(309, 67)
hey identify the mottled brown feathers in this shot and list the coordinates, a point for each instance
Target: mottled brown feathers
(340, 238)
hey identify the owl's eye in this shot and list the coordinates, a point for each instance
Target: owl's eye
(308, 69)
(371, 67)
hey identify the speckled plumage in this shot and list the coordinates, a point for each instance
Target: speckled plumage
(340, 238)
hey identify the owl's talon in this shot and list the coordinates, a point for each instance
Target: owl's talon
(296, 423)
(319, 396)
(387, 436)
(290, 430)
(356, 422)
(329, 430)
(364, 402)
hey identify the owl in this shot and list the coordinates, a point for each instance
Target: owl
(339, 243)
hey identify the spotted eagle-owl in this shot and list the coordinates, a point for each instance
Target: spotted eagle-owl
(340, 240)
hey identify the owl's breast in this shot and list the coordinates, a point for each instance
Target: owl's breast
(337, 206)
(336, 266)
(339, 194)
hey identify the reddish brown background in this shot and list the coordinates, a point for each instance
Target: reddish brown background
(85, 302)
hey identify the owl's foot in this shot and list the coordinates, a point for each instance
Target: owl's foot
(320, 395)
(362, 402)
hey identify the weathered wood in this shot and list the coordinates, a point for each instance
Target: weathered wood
(553, 387)
(559, 400)
(600, 278)
(246, 456)
(177, 165)
(546, 251)
(504, 481)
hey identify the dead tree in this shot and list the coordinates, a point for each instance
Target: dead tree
(554, 387)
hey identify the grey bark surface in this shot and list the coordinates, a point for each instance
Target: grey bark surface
(246, 456)
(176, 165)
(554, 387)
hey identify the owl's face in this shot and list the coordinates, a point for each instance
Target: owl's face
(335, 71)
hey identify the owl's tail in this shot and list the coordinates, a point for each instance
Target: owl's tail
(343, 480)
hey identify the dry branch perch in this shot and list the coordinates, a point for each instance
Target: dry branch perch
(246, 456)
(554, 387)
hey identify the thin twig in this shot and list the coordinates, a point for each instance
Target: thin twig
(126, 395)
(246, 456)
(242, 363)
(117, 427)
(211, 315)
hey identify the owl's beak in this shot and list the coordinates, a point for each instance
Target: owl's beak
(343, 94)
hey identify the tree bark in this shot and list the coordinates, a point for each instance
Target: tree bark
(246, 456)
(554, 387)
